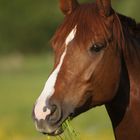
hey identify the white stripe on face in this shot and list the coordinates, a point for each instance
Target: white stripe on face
(49, 89)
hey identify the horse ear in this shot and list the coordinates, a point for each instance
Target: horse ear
(67, 6)
(104, 7)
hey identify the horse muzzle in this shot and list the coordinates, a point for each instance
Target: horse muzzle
(52, 124)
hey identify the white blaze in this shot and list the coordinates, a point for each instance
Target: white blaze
(49, 89)
(71, 36)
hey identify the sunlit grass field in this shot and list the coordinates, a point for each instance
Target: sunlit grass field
(21, 80)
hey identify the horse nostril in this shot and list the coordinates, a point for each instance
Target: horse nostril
(44, 109)
(53, 109)
(55, 114)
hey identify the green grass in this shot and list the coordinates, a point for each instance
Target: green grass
(22, 79)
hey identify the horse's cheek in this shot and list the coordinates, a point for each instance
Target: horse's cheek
(106, 81)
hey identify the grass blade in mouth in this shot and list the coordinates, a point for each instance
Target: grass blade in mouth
(72, 135)
(69, 133)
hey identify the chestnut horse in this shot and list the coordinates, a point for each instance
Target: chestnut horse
(97, 62)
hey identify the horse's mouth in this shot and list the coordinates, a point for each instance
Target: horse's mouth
(50, 131)
(58, 131)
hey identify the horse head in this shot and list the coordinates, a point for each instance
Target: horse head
(87, 65)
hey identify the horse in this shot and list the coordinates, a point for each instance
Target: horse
(97, 62)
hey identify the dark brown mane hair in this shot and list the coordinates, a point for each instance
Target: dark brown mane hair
(130, 25)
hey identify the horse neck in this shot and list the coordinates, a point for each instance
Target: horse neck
(124, 109)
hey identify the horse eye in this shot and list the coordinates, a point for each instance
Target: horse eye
(96, 47)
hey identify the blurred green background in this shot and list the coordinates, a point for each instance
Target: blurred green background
(26, 59)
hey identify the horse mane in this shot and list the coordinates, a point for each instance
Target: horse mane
(131, 50)
(130, 25)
